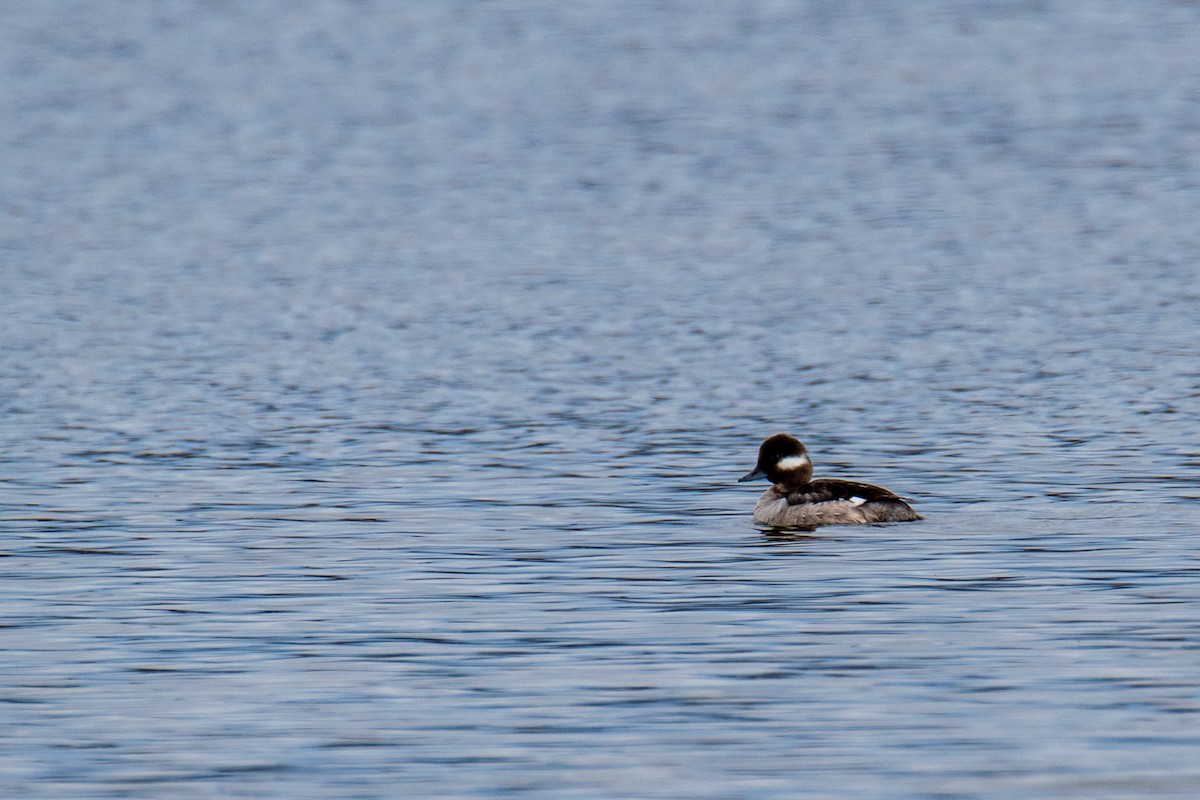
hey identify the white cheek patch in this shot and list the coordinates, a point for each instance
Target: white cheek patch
(857, 501)
(792, 462)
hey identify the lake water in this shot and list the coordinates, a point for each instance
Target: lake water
(375, 378)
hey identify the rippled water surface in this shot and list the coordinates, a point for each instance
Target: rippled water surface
(375, 377)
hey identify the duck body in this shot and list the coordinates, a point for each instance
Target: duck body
(830, 502)
(795, 500)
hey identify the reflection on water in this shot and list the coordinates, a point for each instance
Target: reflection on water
(376, 378)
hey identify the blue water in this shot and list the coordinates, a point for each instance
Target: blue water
(375, 378)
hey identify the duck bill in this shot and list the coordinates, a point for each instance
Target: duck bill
(752, 475)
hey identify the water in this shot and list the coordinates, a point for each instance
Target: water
(375, 378)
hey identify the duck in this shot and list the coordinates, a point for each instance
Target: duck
(795, 500)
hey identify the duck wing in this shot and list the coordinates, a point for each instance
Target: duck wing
(826, 490)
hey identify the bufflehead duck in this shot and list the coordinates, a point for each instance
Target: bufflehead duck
(795, 500)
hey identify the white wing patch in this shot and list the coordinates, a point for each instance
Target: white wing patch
(857, 501)
(792, 462)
